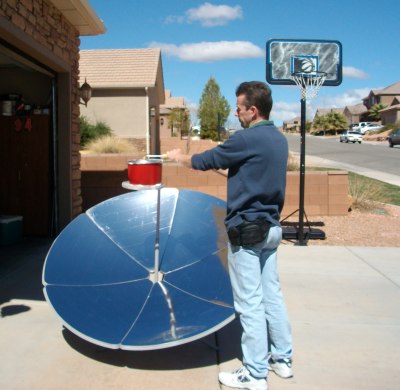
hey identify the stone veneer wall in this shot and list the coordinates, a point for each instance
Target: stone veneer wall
(46, 25)
(326, 192)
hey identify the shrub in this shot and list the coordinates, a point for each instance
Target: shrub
(90, 132)
(365, 193)
(110, 144)
(293, 163)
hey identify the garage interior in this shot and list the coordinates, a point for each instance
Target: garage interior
(27, 142)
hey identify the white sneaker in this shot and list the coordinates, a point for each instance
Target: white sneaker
(242, 379)
(281, 367)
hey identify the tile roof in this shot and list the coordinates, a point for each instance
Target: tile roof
(172, 101)
(120, 68)
(293, 120)
(325, 111)
(357, 109)
(393, 89)
(395, 107)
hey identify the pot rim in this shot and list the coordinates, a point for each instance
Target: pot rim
(144, 162)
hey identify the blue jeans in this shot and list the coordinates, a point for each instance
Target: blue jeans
(259, 302)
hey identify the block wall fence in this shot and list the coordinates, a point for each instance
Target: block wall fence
(326, 192)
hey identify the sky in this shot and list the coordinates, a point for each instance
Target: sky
(226, 40)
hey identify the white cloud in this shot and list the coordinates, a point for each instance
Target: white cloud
(211, 51)
(171, 19)
(283, 111)
(347, 98)
(210, 15)
(354, 73)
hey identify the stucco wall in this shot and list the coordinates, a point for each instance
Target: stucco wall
(124, 110)
(130, 113)
(392, 116)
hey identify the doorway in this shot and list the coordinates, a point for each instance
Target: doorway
(26, 139)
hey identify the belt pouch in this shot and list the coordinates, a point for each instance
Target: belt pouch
(234, 236)
(249, 233)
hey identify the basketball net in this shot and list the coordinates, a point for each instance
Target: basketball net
(309, 83)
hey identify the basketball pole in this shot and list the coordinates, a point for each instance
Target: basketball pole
(300, 233)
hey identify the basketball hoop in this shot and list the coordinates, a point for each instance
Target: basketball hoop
(309, 83)
(300, 62)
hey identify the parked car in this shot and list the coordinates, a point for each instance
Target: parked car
(394, 138)
(351, 136)
(370, 127)
(358, 126)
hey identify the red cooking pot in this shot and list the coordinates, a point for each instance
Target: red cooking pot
(144, 172)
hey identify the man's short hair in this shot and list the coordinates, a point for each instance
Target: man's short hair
(256, 94)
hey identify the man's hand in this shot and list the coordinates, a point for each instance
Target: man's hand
(179, 157)
(174, 155)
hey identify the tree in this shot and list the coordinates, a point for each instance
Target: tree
(179, 119)
(331, 121)
(374, 113)
(212, 106)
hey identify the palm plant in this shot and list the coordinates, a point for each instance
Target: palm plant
(332, 121)
(374, 113)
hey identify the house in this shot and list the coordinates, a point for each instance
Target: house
(39, 121)
(388, 97)
(356, 113)
(384, 96)
(171, 103)
(325, 111)
(127, 90)
(391, 114)
(292, 125)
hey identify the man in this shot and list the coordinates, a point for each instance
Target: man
(256, 157)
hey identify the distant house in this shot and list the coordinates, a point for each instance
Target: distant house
(171, 103)
(391, 114)
(355, 114)
(127, 90)
(325, 111)
(292, 125)
(384, 96)
(389, 97)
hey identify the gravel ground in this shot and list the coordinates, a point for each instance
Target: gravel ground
(378, 227)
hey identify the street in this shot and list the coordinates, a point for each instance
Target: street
(373, 159)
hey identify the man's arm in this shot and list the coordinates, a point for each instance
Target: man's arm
(186, 160)
(179, 157)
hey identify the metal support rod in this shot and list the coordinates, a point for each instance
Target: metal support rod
(157, 245)
(301, 240)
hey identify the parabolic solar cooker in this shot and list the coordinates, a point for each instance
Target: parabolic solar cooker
(144, 270)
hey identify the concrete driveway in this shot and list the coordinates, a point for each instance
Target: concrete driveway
(344, 304)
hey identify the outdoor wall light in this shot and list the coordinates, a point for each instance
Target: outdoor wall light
(85, 93)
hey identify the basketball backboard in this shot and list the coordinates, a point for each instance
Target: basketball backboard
(286, 57)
